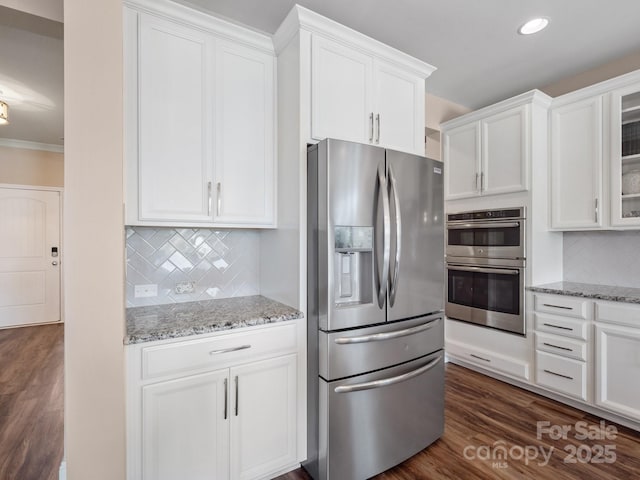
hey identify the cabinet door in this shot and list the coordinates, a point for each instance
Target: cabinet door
(174, 151)
(505, 151)
(625, 156)
(263, 422)
(576, 165)
(462, 161)
(341, 92)
(399, 109)
(618, 369)
(184, 430)
(244, 139)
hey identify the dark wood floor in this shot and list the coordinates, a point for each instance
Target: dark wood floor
(31, 402)
(481, 411)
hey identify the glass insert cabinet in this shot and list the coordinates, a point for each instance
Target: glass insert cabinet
(625, 157)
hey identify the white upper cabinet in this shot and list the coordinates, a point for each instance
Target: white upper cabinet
(399, 108)
(625, 156)
(244, 136)
(576, 164)
(505, 152)
(174, 160)
(360, 89)
(341, 92)
(488, 152)
(462, 156)
(200, 118)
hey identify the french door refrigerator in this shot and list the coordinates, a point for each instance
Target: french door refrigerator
(375, 308)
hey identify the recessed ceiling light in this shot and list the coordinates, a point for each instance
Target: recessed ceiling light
(533, 26)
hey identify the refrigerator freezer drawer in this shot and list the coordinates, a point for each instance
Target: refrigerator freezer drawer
(373, 422)
(347, 353)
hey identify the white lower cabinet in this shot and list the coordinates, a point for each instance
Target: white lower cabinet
(618, 358)
(184, 430)
(229, 410)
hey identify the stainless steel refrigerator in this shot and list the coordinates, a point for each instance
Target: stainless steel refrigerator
(375, 308)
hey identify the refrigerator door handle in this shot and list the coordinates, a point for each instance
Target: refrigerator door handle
(393, 279)
(386, 237)
(388, 381)
(376, 337)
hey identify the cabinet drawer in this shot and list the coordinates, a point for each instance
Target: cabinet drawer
(563, 305)
(618, 313)
(561, 346)
(218, 351)
(485, 359)
(564, 326)
(563, 375)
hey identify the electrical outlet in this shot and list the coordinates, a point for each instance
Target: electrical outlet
(141, 291)
(185, 287)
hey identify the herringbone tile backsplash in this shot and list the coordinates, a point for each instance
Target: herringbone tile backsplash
(219, 263)
(602, 258)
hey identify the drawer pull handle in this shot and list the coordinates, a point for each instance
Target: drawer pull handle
(557, 346)
(228, 350)
(557, 326)
(480, 358)
(558, 374)
(237, 395)
(388, 335)
(557, 306)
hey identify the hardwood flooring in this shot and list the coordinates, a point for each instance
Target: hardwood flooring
(481, 411)
(31, 402)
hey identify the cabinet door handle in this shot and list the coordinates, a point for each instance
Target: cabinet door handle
(558, 374)
(218, 198)
(557, 306)
(477, 177)
(557, 326)
(237, 396)
(209, 199)
(371, 127)
(557, 346)
(226, 397)
(596, 209)
(378, 125)
(482, 181)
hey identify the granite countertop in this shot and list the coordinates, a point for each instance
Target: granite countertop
(588, 290)
(161, 322)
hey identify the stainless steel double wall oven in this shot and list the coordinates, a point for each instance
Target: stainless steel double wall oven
(486, 260)
(375, 308)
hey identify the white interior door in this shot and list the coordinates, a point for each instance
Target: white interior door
(29, 271)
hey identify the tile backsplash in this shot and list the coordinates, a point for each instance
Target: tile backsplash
(603, 258)
(214, 263)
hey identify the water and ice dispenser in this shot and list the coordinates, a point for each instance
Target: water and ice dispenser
(353, 265)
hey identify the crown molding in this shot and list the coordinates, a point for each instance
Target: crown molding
(205, 21)
(46, 147)
(600, 88)
(534, 97)
(303, 18)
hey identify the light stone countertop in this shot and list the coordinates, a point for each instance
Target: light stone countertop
(161, 322)
(588, 290)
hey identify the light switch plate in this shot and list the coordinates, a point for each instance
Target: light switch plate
(150, 290)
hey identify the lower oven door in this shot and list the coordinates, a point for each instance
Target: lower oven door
(489, 296)
(372, 422)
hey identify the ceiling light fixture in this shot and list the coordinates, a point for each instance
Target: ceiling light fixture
(4, 113)
(533, 26)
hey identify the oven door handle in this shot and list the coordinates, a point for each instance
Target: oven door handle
(376, 337)
(388, 381)
(501, 271)
(466, 226)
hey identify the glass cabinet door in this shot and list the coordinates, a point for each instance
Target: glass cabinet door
(625, 157)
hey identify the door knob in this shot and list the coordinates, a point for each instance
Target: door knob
(54, 263)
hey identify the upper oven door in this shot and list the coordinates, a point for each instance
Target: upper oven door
(489, 239)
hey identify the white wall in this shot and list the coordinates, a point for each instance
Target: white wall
(438, 110)
(94, 237)
(23, 166)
